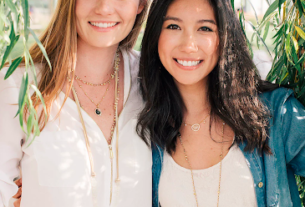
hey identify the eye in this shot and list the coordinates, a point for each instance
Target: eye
(173, 27)
(205, 29)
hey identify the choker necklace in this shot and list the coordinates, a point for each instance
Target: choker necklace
(195, 127)
(220, 166)
(96, 84)
(97, 110)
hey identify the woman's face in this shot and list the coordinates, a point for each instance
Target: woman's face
(103, 23)
(188, 43)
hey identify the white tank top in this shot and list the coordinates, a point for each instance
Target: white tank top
(237, 186)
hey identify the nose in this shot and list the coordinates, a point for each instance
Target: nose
(188, 44)
(104, 7)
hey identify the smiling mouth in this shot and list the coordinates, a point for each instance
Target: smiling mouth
(103, 25)
(187, 63)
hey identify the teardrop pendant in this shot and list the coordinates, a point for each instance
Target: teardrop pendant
(98, 111)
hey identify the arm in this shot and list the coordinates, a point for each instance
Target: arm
(10, 137)
(293, 130)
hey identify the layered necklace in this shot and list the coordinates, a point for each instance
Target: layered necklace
(191, 169)
(113, 127)
(97, 110)
(195, 127)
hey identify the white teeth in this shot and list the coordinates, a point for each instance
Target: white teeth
(188, 63)
(103, 25)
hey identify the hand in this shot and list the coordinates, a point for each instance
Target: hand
(19, 193)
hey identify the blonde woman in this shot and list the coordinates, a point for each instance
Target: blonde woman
(88, 153)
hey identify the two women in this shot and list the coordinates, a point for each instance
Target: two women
(88, 153)
(221, 136)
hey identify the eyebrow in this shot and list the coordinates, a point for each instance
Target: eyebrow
(179, 20)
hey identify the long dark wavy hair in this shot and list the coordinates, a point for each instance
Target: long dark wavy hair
(233, 86)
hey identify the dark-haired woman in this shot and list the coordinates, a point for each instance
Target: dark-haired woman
(221, 136)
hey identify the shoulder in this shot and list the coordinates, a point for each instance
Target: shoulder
(133, 58)
(276, 99)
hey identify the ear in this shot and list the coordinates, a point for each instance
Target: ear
(141, 6)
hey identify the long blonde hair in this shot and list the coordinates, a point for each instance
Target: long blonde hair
(60, 42)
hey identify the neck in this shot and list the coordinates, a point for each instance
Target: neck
(94, 64)
(195, 98)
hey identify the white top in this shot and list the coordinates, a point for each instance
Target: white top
(237, 187)
(56, 168)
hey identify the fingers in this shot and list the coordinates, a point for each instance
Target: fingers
(19, 182)
(18, 194)
(17, 203)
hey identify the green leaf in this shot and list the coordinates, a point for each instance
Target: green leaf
(232, 4)
(13, 67)
(266, 31)
(300, 7)
(9, 48)
(26, 16)
(280, 4)
(301, 59)
(295, 43)
(287, 45)
(300, 32)
(41, 98)
(30, 123)
(272, 8)
(261, 39)
(41, 47)
(12, 7)
(23, 91)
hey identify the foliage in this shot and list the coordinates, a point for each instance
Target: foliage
(288, 68)
(14, 27)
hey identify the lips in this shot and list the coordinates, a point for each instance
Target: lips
(188, 63)
(103, 24)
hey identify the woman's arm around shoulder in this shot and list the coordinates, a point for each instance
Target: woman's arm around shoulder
(11, 135)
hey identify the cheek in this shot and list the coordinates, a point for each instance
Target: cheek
(128, 10)
(210, 44)
(166, 45)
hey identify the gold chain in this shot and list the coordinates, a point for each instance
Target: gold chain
(96, 84)
(203, 120)
(116, 68)
(195, 127)
(220, 168)
(114, 124)
(97, 105)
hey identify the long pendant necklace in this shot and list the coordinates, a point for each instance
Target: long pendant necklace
(114, 126)
(195, 127)
(190, 166)
(97, 110)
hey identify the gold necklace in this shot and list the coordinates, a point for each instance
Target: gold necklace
(195, 127)
(114, 126)
(97, 109)
(116, 68)
(220, 167)
(96, 84)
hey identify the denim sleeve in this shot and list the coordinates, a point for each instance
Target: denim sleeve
(293, 131)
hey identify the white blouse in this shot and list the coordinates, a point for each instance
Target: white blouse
(56, 168)
(237, 186)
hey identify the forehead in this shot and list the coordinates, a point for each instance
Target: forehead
(191, 9)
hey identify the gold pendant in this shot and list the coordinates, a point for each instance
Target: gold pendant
(195, 127)
(98, 111)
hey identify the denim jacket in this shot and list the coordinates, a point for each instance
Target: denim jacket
(273, 175)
